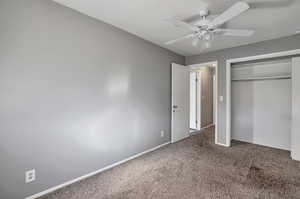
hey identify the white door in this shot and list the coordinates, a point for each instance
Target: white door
(180, 102)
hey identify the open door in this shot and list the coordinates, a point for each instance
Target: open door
(180, 102)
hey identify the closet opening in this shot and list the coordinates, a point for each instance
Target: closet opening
(262, 100)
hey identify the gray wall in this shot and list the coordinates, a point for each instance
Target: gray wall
(287, 43)
(76, 95)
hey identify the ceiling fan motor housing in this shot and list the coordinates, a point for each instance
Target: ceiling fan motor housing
(203, 12)
(203, 22)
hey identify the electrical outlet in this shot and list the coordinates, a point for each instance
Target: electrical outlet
(30, 176)
(162, 133)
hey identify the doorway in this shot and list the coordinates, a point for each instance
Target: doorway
(181, 93)
(202, 96)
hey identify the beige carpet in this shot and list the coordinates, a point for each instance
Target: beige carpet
(196, 168)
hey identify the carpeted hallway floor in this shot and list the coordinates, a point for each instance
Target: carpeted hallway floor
(196, 168)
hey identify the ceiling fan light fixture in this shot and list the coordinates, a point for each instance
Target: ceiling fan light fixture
(208, 36)
(207, 44)
(204, 45)
(196, 41)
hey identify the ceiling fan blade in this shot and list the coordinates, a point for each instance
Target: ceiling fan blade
(230, 13)
(179, 23)
(180, 39)
(236, 32)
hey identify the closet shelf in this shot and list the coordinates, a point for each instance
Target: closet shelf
(262, 78)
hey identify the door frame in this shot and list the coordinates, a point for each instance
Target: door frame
(198, 103)
(216, 66)
(229, 62)
(197, 96)
(214, 98)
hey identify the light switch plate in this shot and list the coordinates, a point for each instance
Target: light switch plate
(30, 176)
(221, 98)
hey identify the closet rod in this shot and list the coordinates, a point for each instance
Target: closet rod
(261, 78)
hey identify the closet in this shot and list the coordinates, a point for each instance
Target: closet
(261, 94)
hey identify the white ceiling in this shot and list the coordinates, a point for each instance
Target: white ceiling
(146, 18)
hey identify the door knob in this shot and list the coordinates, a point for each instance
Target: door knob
(175, 106)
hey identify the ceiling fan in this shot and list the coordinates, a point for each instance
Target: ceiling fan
(205, 29)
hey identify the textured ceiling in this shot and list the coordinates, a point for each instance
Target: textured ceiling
(146, 18)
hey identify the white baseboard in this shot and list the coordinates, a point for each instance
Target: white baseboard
(208, 126)
(93, 173)
(222, 144)
(203, 128)
(295, 157)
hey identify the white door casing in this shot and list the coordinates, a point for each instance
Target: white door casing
(214, 99)
(199, 94)
(193, 100)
